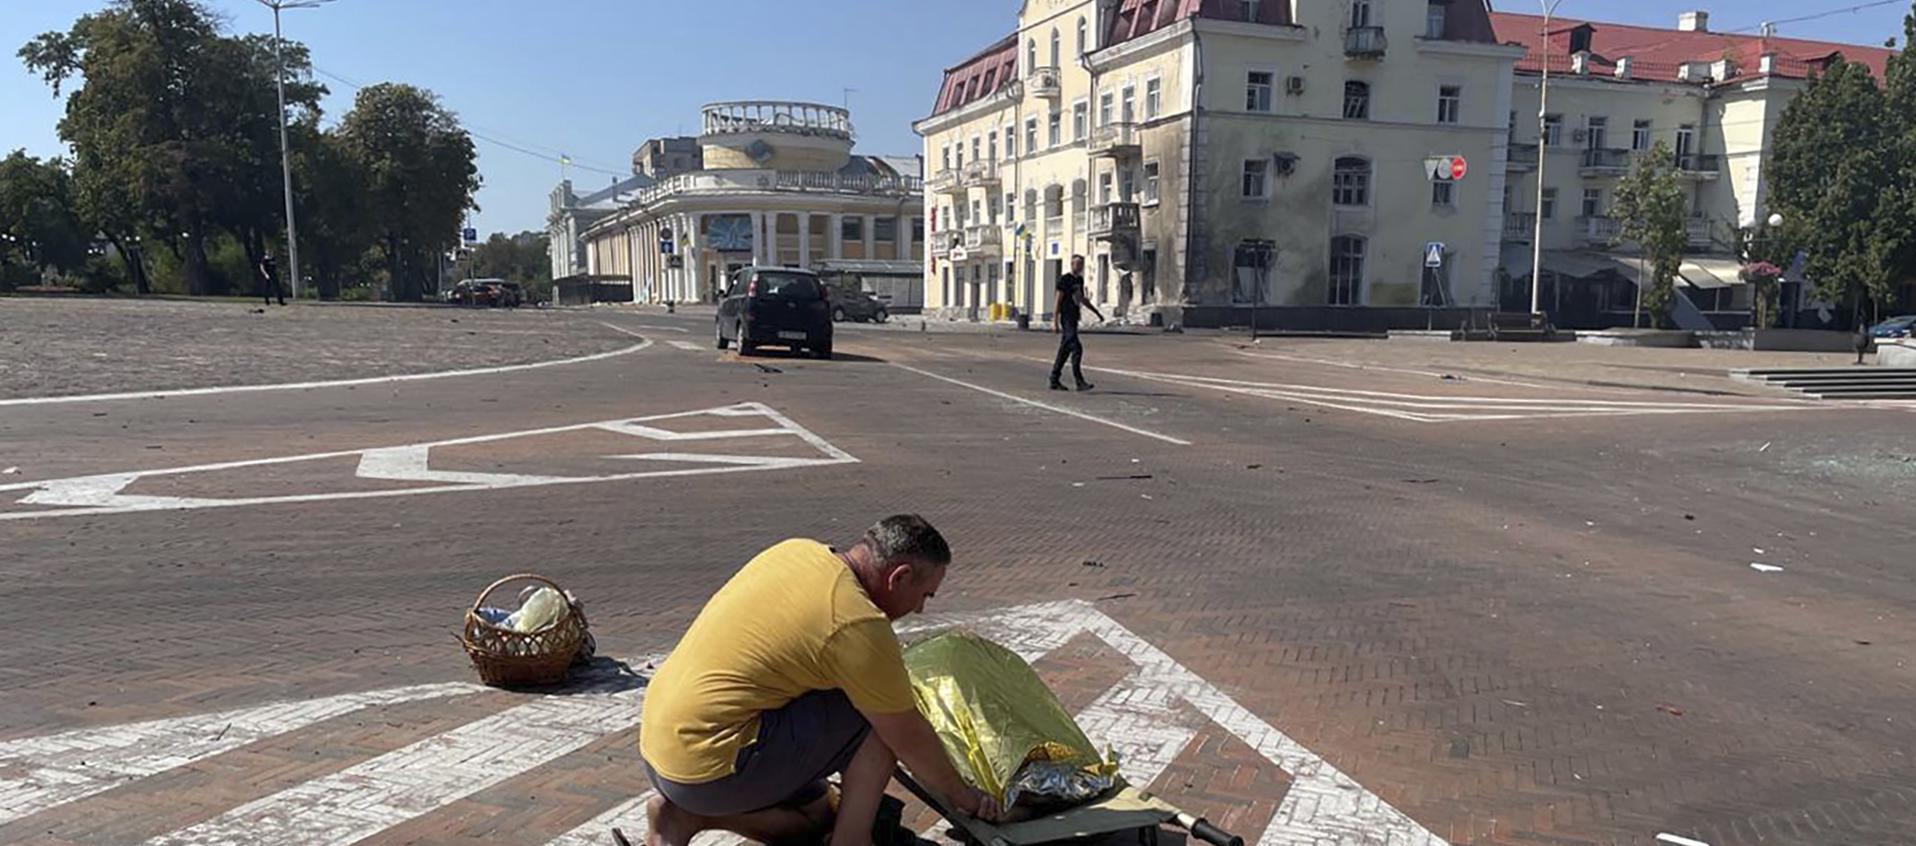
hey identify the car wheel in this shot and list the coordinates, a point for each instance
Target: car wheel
(838, 314)
(880, 316)
(745, 345)
(718, 335)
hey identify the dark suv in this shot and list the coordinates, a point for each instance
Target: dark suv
(777, 306)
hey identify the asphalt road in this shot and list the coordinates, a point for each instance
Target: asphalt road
(1316, 597)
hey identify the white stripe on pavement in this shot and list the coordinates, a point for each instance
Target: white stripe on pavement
(73, 765)
(336, 383)
(1046, 406)
(371, 797)
(688, 346)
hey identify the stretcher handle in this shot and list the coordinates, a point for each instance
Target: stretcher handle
(1203, 830)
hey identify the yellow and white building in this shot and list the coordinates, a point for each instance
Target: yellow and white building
(1211, 157)
(773, 183)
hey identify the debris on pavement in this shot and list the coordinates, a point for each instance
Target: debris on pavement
(1097, 564)
(1515, 704)
(1765, 568)
(10, 471)
(1135, 477)
(1116, 596)
(1766, 446)
(766, 368)
(1672, 710)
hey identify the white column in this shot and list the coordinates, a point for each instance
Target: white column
(837, 236)
(805, 239)
(759, 238)
(694, 243)
(771, 237)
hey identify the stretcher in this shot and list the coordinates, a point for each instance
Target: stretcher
(1124, 810)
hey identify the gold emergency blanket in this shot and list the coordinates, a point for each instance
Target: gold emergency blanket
(1001, 725)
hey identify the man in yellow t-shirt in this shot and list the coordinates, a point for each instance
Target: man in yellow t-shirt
(790, 674)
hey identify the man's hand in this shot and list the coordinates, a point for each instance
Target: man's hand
(979, 805)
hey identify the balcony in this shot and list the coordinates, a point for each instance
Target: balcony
(1699, 233)
(1699, 166)
(981, 241)
(1045, 82)
(1601, 162)
(946, 181)
(1600, 231)
(943, 242)
(1364, 42)
(1116, 140)
(1520, 227)
(1114, 220)
(982, 173)
(1523, 157)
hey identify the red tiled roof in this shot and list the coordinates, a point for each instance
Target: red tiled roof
(1656, 54)
(979, 76)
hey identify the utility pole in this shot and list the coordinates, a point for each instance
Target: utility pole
(1543, 156)
(285, 152)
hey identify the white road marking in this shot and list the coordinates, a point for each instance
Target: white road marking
(1046, 406)
(1679, 841)
(1143, 716)
(371, 797)
(688, 346)
(73, 765)
(1352, 365)
(170, 393)
(102, 494)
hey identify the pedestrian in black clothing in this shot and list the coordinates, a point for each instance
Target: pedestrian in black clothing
(1064, 321)
(268, 284)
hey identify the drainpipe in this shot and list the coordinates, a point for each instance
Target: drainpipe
(1190, 169)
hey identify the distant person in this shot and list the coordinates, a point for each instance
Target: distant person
(268, 283)
(1064, 321)
(1861, 339)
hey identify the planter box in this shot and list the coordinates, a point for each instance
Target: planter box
(1898, 353)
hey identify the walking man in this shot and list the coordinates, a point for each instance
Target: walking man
(269, 282)
(1064, 321)
(792, 673)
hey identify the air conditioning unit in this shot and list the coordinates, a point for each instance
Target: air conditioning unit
(1294, 85)
(1284, 164)
(1579, 136)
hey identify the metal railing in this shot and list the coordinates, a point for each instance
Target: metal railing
(1601, 231)
(1115, 218)
(753, 181)
(980, 173)
(1364, 41)
(777, 116)
(1045, 82)
(1700, 164)
(1699, 232)
(1520, 226)
(984, 236)
(1115, 139)
(1602, 160)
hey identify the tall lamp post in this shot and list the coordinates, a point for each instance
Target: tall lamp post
(285, 152)
(1543, 156)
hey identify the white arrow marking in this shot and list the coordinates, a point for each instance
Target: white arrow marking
(413, 464)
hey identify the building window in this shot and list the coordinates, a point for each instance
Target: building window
(1640, 136)
(1596, 133)
(1011, 207)
(977, 149)
(1257, 91)
(1056, 50)
(945, 157)
(1080, 118)
(1360, 13)
(1011, 142)
(1104, 188)
(1252, 266)
(1080, 195)
(1549, 209)
(1128, 104)
(1084, 37)
(993, 137)
(1054, 201)
(1153, 98)
(1105, 102)
(1031, 136)
(1054, 127)
(1150, 183)
(1031, 55)
(1347, 270)
(1593, 202)
(1350, 182)
(1031, 204)
(918, 230)
(1256, 176)
(1247, 10)
(883, 229)
(958, 156)
(1552, 130)
(1357, 100)
(1450, 103)
(851, 228)
(1434, 19)
(1443, 195)
(994, 209)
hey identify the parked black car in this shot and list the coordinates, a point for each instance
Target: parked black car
(850, 303)
(776, 306)
(1895, 327)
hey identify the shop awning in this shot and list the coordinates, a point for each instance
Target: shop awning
(1577, 264)
(1708, 272)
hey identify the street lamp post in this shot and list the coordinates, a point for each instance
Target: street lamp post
(285, 152)
(1543, 156)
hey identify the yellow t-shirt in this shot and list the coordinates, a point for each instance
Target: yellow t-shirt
(793, 621)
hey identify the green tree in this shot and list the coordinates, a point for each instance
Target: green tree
(520, 258)
(1649, 208)
(329, 192)
(422, 174)
(1838, 174)
(40, 229)
(172, 125)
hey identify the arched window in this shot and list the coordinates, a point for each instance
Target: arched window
(1350, 182)
(1056, 46)
(1080, 193)
(1031, 55)
(1084, 37)
(1031, 205)
(1054, 201)
(1356, 100)
(1347, 270)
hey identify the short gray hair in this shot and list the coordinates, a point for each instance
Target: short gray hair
(905, 538)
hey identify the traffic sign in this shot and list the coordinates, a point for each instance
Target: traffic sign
(470, 236)
(1434, 254)
(1458, 168)
(1447, 168)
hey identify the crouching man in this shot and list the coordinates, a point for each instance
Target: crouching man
(790, 674)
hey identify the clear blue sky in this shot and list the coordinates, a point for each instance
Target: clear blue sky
(595, 78)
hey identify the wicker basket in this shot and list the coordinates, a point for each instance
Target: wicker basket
(505, 658)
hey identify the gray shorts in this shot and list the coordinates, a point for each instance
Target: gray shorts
(798, 746)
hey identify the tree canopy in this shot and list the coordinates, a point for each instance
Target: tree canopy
(1650, 207)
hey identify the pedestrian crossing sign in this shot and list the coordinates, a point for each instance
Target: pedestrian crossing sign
(1434, 254)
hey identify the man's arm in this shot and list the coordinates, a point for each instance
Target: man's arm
(915, 744)
(1057, 309)
(1087, 304)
